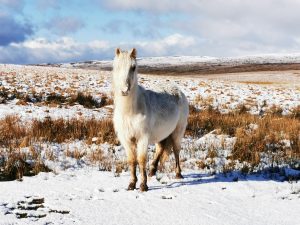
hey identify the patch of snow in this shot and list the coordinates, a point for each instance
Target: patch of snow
(94, 197)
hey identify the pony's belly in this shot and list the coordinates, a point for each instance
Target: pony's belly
(162, 131)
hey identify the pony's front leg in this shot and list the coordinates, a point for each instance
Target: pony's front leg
(142, 147)
(133, 180)
(131, 158)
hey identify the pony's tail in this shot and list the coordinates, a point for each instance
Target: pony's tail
(167, 145)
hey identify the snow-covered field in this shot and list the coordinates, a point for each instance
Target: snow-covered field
(78, 192)
(223, 94)
(88, 196)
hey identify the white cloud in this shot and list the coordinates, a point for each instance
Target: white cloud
(175, 44)
(41, 50)
(197, 27)
(66, 49)
(229, 27)
(150, 5)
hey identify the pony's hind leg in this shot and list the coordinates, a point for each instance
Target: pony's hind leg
(158, 152)
(176, 149)
(177, 135)
(161, 148)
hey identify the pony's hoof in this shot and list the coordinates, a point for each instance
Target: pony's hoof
(152, 173)
(144, 187)
(178, 176)
(131, 187)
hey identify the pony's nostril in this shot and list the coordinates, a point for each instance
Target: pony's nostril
(125, 90)
(125, 93)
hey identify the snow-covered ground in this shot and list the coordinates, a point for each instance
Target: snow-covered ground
(224, 94)
(89, 196)
(78, 193)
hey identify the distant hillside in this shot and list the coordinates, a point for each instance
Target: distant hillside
(200, 64)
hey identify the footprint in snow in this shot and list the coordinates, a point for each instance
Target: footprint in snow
(101, 190)
(31, 207)
(168, 196)
(163, 179)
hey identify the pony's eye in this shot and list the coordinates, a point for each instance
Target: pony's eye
(133, 68)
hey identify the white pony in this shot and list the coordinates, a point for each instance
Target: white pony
(143, 117)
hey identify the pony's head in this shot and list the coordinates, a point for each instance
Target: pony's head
(124, 71)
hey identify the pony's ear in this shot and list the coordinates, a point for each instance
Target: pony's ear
(118, 51)
(133, 53)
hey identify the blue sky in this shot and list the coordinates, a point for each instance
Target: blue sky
(40, 31)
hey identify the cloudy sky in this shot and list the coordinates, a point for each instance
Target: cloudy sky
(38, 31)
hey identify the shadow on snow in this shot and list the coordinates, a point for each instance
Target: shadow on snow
(280, 175)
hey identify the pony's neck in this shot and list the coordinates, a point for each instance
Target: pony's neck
(127, 104)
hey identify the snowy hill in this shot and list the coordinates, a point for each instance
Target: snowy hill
(201, 64)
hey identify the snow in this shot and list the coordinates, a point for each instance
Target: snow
(224, 93)
(77, 192)
(97, 197)
(30, 112)
(256, 59)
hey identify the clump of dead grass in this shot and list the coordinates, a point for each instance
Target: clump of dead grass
(106, 100)
(295, 112)
(60, 130)
(203, 102)
(260, 82)
(11, 131)
(275, 111)
(15, 165)
(270, 136)
(54, 98)
(76, 154)
(14, 133)
(84, 99)
(98, 158)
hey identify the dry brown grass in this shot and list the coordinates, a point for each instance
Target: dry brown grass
(274, 110)
(76, 154)
(101, 160)
(205, 102)
(54, 98)
(295, 113)
(106, 100)
(259, 82)
(14, 164)
(14, 133)
(61, 130)
(84, 99)
(11, 131)
(268, 138)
